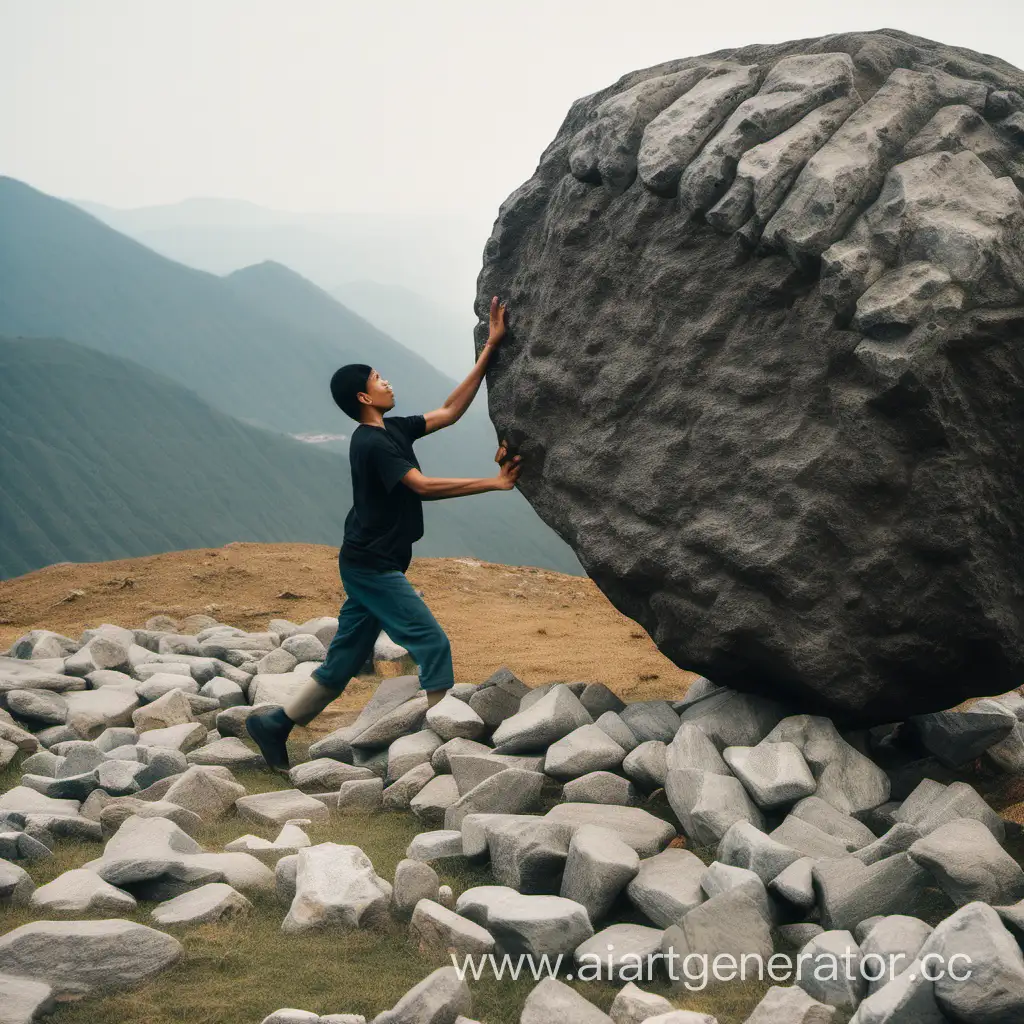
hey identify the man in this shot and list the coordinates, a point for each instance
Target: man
(386, 518)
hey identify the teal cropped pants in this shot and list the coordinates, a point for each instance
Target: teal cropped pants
(374, 601)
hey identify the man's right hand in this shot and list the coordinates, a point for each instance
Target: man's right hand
(509, 473)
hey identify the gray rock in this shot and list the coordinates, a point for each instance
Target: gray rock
(613, 724)
(601, 788)
(774, 774)
(436, 845)
(746, 846)
(325, 774)
(510, 791)
(586, 749)
(28, 801)
(800, 835)
(304, 647)
(440, 759)
(708, 805)
(159, 684)
(111, 706)
(469, 770)
(790, 1005)
(799, 934)
(43, 762)
(651, 720)
(552, 1000)
(25, 1001)
(730, 718)
(635, 827)
(226, 693)
(890, 946)
(216, 901)
(231, 722)
(154, 859)
(475, 828)
(727, 924)
(528, 856)
(718, 878)
(439, 998)
(81, 957)
(618, 952)
(204, 792)
(498, 697)
(434, 799)
(969, 864)
(909, 996)
(415, 880)
(897, 839)
(667, 886)
(183, 737)
(931, 806)
(360, 796)
(646, 764)
(598, 699)
(826, 977)
(409, 751)
(795, 883)
(230, 752)
(957, 737)
(691, 747)
(548, 719)
(813, 160)
(399, 794)
(336, 888)
(846, 778)
(276, 808)
(40, 707)
(995, 989)
(16, 885)
(598, 866)
(849, 891)
(451, 717)
(22, 846)
(852, 833)
(287, 1015)
(632, 1005)
(439, 929)
(538, 924)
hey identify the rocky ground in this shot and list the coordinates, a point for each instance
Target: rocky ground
(151, 869)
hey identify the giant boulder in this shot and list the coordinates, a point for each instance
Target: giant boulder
(766, 310)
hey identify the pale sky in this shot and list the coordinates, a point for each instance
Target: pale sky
(399, 105)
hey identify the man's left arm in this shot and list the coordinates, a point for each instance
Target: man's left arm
(459, 400)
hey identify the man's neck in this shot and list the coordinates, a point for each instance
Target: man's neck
(378, 422)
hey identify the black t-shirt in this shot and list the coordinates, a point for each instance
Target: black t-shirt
(386, 516)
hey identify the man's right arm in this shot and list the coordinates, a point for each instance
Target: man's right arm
(430, 488)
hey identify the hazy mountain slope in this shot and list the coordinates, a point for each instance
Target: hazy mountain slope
(65, 274)
(419, 323)
(434, 254)
(260, 346)
(101, 458)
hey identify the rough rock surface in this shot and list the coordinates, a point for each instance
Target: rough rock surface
(781, 290)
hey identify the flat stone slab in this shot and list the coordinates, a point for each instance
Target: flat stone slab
(216, 901)
(636, 827)
(81, 957)
(279, 807)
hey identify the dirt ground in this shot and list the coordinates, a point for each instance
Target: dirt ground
(543, 625)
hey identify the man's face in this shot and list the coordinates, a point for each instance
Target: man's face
(379, 390)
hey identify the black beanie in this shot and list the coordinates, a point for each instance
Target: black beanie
(346, 384)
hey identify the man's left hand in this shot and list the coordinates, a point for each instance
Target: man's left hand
(497, 324)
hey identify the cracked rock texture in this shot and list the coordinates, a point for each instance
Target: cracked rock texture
(765, 362)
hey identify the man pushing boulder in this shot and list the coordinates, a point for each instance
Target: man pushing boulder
(386, 518)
